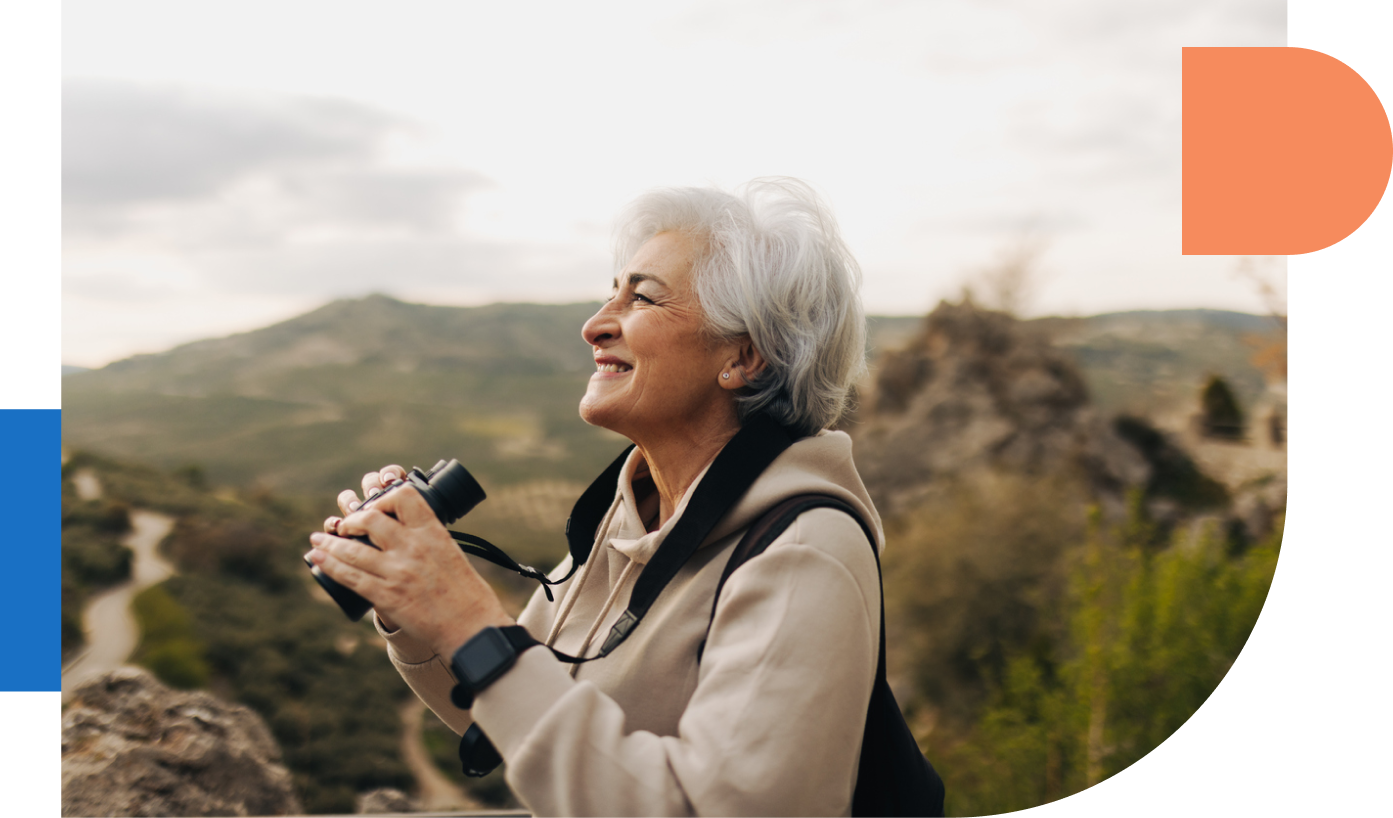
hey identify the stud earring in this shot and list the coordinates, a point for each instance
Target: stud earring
(725, 375)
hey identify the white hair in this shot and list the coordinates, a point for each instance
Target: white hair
(770, 265)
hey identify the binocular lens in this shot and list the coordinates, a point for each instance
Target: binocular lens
(450, 491)
(453, 492)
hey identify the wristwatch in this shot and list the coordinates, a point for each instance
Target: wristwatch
(485, 657)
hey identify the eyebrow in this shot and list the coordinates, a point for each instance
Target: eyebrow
(635, 278)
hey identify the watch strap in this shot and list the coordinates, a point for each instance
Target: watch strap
(487, 655)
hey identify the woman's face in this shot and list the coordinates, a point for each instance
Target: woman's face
(657, 371)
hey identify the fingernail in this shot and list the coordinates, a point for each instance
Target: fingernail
(353, 505)
(317, 537)
(315, 556)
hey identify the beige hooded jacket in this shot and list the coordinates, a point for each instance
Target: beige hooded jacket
(769, 722)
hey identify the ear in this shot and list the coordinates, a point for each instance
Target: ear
(745, 365)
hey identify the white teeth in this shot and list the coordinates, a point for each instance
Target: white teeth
(612, 367)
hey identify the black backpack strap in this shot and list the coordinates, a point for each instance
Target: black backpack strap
(893, 777)
(743, 459)
(735, 469)
(766, 529)
(590, 509)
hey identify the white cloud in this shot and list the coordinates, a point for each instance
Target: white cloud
(466, 152)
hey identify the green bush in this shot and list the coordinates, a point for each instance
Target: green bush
(239, 618)
(1151, 633)
(106, 517)
(442, 743)
(1220, 414)
(72, 601)
(334, 712)
(94, 560)
(93, 557)
(973, 577)
(1174, 475)
(168, 647)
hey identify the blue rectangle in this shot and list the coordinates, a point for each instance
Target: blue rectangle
(31, 548)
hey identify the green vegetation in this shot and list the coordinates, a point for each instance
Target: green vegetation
(1173, 474)
(93, 556)
(973, 576)
(307, 406)
(169, 646)
(1150, 631)
(241, 619)
(1042, 649)
(443, 745)
(1139, 362)
(1220, 414)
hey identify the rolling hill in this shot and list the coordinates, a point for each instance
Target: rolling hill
(307, 405)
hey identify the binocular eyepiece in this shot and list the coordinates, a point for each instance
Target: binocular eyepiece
(450, 491)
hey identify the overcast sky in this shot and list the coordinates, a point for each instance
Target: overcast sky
(227, 165)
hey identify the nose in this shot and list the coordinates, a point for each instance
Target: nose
(603, 326)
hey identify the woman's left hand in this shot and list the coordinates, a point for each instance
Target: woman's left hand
(420, 578)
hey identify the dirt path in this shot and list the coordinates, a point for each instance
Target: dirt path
(111, 630)
(436, 792)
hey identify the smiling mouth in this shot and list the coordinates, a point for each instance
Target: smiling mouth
(612, 367)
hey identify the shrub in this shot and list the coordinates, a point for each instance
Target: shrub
(443, 745)
(1220, 414)
(1174, 474)
(169, 647)
(971, 578)
(1150, 634)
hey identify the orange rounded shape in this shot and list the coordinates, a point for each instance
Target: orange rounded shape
(1284, 151)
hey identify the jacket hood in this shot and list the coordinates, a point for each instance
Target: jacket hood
(820, 464)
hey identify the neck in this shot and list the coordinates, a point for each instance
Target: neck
(675, 459)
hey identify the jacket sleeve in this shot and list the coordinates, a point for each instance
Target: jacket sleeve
(773, 727)
(429, 675)
(426, 673)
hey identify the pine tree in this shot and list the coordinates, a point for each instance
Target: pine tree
(1220, 414)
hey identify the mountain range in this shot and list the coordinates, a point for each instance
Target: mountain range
(307, 405)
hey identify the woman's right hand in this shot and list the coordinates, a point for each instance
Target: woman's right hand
(348, 502)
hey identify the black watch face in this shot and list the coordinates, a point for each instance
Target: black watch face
(483, 657)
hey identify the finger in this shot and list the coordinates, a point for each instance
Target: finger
(348, 501)
(408, 506)
(331, 524)
(361, 557)
(372, 484)
(374, 523)
(355, 579)
(392, 472)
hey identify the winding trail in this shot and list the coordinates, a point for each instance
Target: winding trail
(436, 792)
(112, 633)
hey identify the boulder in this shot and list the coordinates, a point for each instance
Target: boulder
(386, 801)
(974, 391)
(132, 746)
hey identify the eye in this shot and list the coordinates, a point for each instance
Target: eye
(641, 297)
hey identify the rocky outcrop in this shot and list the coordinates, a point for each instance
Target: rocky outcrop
(975, 389)
(132, 746)
(386, 801)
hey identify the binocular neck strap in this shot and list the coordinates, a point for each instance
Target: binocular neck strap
(735, 469)
(581, 528)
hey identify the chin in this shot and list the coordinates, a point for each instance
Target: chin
(595, 415)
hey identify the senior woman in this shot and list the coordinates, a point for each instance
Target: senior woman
(726, 308)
